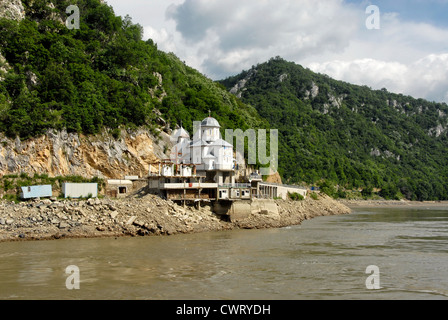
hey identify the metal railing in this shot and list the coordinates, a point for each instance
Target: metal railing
(188, 185)
(236, 186)
(282, 185)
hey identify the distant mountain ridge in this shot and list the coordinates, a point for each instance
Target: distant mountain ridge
(350, 135)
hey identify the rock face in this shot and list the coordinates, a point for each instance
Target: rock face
(274, 178)
(59, 153)
(4, 67)
(12, 9)
(240, 87)
(313, 93)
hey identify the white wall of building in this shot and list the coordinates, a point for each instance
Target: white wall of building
(80, 190)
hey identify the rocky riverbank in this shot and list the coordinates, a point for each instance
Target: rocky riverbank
(145, 216)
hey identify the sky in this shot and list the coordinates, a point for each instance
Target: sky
(400, 45)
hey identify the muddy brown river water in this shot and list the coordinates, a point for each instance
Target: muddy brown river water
(325, 258)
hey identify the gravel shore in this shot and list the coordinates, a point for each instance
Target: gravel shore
(145, 216)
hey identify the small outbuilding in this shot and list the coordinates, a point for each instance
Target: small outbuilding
(119, 188)
(80, 190)
(32, 192)
(132, 178)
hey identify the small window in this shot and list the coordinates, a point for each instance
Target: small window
(122, 190)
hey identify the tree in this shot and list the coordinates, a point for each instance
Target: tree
(367, 191)
(389, 192)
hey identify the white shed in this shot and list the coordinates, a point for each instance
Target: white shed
(80, 190)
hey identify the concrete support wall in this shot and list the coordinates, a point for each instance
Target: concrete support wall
(222, 207)
(268, 207)
(241, 210)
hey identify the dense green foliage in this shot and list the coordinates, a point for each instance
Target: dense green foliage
(295, 196)
(100, 76)
(104, 76)
(348, 136)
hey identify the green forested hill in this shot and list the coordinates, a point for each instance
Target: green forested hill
(349, 135)
(104, 76)
(100, 76)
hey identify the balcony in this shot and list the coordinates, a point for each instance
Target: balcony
(177, 186)
(236, 186)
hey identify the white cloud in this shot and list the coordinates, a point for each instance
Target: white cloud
(224, 37)
(251, 31)
(375, 72)
(424, 78)
(404, 57)
(164, 40)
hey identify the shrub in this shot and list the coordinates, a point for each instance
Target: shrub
(367, 191)
(329, 188)
(11, 197)
(295, 196)
(24, 175)
(116, 133)
(7, 185)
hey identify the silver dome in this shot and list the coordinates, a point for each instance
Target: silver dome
(210, 123)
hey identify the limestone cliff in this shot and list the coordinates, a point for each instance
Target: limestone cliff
(58, 153)
(12, 9)
(274, 178)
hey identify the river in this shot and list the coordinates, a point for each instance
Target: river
(324, 258)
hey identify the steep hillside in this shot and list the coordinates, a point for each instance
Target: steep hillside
(97, 82)
(96, 101)
(100, 76)
(349, 135)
